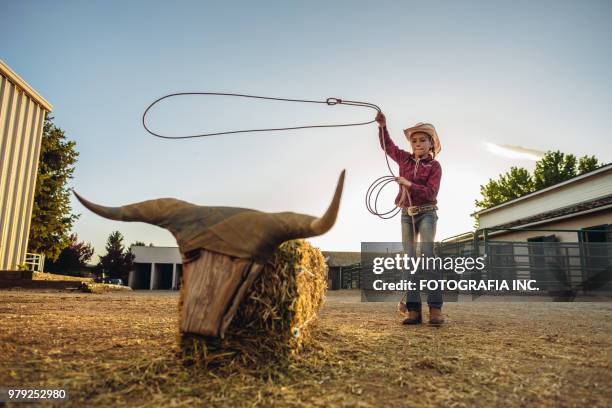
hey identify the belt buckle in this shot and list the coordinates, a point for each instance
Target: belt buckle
(412, 211)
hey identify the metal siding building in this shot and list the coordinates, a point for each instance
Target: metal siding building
(580, 203)
(594, 185)
(22, 113)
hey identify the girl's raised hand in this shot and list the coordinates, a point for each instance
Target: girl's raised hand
(381, 119)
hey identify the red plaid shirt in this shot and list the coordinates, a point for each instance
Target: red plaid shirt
(424, 173)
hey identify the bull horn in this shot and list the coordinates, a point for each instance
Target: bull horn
(323, 224)
(239, 232)
(114, 213)
(150, 211)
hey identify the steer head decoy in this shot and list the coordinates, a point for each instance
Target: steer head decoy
(223, 249)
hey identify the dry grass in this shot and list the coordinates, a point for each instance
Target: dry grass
(91, 287)
(119, 349)
(54, 277)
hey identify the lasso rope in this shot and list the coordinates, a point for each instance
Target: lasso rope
(329, 101)
(375, 188)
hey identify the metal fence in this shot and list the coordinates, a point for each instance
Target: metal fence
(552, 264)
(35, 262)
(351, 276)
(581, 267)
(584, 265)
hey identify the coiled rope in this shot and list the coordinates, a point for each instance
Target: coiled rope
(371, 198)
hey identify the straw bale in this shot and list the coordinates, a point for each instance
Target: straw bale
(275, 319)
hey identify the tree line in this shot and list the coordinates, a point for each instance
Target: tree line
(552, 168)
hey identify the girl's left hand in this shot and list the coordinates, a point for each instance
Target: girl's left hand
(402, 181)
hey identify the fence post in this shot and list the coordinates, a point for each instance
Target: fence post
(485, 241)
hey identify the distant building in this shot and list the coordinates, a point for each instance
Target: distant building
(156, 268)
(22, 114)
(343, 269)
(161, 268)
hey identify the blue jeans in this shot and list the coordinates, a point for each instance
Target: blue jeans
(425, 225)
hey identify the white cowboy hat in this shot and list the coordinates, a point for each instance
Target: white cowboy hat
(427, 128)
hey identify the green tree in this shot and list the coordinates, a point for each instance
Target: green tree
(117, 262)
(552, 168)
(588, 163)
(513, 184)
(555, 167)
(51, 216)
(73, 259)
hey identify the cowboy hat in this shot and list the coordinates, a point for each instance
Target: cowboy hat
(427, 128)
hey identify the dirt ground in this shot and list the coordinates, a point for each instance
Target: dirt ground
(118, 349)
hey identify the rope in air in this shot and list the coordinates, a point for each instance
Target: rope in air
(374, 189)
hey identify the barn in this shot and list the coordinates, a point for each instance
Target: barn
(22, 114)
(343, 269)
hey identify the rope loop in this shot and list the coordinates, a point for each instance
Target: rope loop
(329, 101)
(375, 188)
(333, 101)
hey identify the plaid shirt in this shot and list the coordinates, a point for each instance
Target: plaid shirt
(425, 173)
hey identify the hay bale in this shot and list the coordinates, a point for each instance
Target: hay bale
(275, 319)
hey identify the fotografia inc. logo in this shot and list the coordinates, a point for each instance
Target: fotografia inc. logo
(403, 262)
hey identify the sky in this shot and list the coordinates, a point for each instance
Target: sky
(534, 76)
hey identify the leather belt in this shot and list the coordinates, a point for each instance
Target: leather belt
(419, 209)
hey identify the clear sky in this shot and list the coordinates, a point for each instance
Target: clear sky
(523, 73)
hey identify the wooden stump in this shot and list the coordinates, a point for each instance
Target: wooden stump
(214, 285)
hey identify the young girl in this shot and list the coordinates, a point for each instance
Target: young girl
(419, 174)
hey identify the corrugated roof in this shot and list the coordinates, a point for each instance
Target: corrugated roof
(12, 76)
(572, 209)
(335, 258)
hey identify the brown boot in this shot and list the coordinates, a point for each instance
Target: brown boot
(414, 317)
(435, 316)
